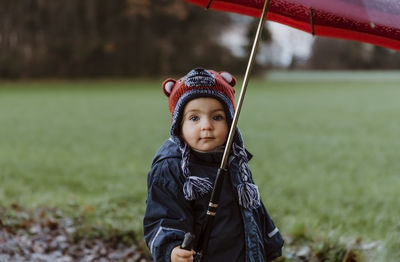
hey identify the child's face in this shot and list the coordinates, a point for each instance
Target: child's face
(204, 125)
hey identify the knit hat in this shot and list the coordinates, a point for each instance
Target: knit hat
(219, 85)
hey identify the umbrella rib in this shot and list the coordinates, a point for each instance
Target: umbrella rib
(311, 11)
(209, 4)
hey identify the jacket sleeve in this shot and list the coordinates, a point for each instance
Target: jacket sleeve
(273, 240)
(168, 214)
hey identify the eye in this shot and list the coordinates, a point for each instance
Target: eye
(194, 118)
(218, 117)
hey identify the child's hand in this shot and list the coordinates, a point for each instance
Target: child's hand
(181, 255)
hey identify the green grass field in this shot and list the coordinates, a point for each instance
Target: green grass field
(326, 152)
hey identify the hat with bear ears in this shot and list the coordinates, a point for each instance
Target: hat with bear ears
(219, 85)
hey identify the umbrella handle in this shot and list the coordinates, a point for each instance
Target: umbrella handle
(187, 243)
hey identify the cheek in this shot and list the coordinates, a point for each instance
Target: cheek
(183, 130)
(224, 130)
(187, 130)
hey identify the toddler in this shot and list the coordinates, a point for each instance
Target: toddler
(183, 172)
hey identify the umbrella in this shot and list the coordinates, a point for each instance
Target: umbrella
(371, 21)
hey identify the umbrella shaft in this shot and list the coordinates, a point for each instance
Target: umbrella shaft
(211, 212)
(213, 205)
(244, 85)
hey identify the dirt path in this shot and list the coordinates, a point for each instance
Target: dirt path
(45, 236)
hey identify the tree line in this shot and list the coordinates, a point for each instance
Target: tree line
(90, 38)
(328, 53)
(75, 38)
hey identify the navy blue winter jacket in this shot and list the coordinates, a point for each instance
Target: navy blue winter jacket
(238, 234)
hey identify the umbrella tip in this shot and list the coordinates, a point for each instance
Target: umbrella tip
(372, 25)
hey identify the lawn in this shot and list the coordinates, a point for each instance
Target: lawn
(326, 152)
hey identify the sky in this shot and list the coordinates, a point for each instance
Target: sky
(287, 41)
(292, 41)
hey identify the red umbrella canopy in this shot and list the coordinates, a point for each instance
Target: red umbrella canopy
(371, 21)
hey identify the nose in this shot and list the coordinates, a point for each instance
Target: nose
(206, 124)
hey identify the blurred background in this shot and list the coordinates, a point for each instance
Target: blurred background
(143, 38)
(82, 115)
